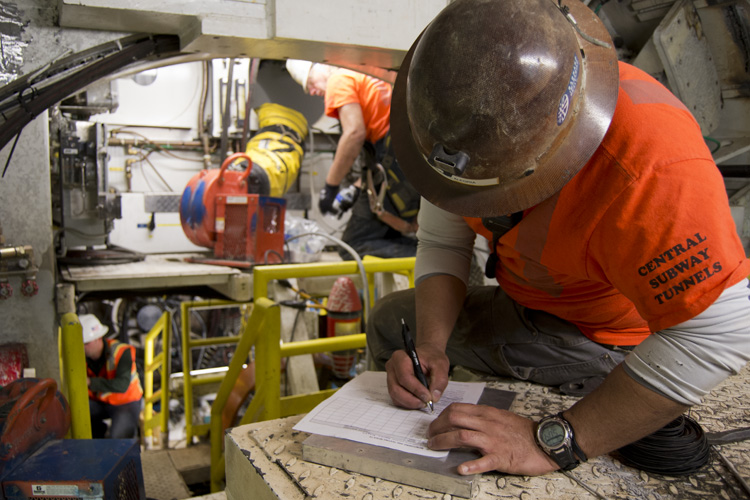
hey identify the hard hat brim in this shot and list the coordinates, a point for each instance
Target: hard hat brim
(600, 82)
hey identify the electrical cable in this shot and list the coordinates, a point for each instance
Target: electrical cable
(353, 253)
(30, 105)
(744, 486)
(156, 171)
(12, 150)
(677, 449)
(711, 139)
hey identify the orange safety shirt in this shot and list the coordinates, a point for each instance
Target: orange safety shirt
(109, 371)
(640, 239)
(373, 96)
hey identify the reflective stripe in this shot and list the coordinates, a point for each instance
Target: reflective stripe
(109, 371)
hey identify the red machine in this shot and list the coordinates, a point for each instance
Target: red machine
(344, 318)
(216, 211)
(32, 412)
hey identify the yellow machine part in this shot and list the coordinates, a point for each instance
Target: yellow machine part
(277, 148)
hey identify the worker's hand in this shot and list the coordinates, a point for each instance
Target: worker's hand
(327, 196)
(88, 381)
(505, 440)
(345, 199)
(405, 389)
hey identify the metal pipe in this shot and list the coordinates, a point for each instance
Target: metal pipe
(190, 145)
(326, 344)
(16, 252)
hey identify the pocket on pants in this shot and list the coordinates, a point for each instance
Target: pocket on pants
(556, 375)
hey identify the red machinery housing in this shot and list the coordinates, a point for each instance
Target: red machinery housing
(32, 412)
(216, 211)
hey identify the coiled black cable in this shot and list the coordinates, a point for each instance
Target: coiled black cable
(677, 449)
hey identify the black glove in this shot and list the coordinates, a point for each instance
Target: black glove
(345, 199)
(327, 195)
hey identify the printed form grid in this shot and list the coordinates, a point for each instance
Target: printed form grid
(374, 418)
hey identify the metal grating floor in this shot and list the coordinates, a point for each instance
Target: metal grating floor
(266, 459)
(161, 478)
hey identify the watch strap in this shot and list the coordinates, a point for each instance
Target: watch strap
(570, 455)
(577, 451)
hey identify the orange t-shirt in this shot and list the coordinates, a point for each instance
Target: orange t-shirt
(640, 239)
(372, 95)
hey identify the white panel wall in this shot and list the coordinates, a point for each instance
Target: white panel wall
(361, 32)
(390, 24)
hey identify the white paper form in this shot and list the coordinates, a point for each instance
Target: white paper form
(362, 411)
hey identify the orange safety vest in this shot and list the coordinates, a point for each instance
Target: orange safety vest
(109, 370)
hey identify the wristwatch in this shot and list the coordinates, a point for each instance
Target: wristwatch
(555, 437)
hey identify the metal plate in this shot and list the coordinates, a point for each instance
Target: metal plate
(686, 56)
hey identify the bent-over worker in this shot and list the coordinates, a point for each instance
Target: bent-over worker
(383, 220)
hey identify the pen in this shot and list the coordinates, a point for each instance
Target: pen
(412, 352)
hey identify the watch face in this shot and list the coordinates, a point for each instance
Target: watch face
(552, 434)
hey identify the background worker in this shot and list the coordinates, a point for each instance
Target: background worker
(114, 386)
(613, 243)
(383, 221)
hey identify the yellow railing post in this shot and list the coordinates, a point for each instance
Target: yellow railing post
(263, 332)
(188, 344)
(262, 310)
(73, 363)
(187, 363)
(268, 366)
(152, 363)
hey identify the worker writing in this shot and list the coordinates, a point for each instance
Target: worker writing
(114, 386)
(621, 275)
(383, 221)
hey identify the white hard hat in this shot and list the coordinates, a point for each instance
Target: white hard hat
(92, 328)
(300, 71)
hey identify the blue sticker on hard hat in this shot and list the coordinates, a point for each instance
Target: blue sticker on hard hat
(567, 97)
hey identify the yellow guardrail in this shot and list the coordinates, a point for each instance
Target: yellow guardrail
(267, 402)
(73, 375)
(160, 362)
(188, 344)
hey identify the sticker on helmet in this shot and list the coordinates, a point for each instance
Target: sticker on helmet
(564, 106)
(492, 181)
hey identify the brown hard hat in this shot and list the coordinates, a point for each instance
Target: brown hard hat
(499, 103)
